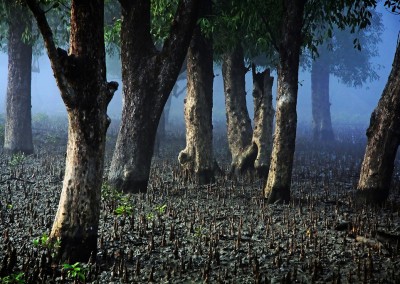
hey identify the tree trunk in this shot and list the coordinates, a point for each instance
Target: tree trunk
(197, 158)
(81, 77)
(18, 126)
(278, 183)
(239, 129)
(148, 76)
(383, 140)
(263, 120)
(321, 107)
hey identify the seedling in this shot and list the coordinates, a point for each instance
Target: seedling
(17, 159)
(16, 278)
(42, 241)
(76, 271)
(123, 209)
(161, 209)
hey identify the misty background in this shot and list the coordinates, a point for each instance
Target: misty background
(348, 105)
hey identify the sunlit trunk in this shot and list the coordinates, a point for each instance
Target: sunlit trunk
(239, 129)
(81, 77)
(263, 120)
(18, 126)
(321, 107)
(197, 158)
(280, 172)
(383, 140)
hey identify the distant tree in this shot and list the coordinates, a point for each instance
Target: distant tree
(18, 128)
(148, 76)
(337, 56)
(81, 77)
(197, 158)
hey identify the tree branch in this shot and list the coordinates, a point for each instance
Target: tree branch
(56, 64)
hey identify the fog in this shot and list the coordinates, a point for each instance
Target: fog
(348, 105)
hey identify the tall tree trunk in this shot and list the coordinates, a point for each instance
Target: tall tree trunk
(81, 77)
(148, 76)
(197, 158)
(383, 140)
(278, 183)
(321, 107)
(18, 126)
(239, 129)
(263, 119)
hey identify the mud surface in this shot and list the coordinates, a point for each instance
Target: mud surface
(219, 233)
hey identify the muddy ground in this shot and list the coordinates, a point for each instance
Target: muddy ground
(219, 233)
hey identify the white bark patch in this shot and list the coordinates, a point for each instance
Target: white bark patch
(284, 99)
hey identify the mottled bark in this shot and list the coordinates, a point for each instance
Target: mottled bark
(18, 126)
(278, 183)
(321, 107)
(239, 129)
(197, 158)
(148, 76)
(81, 77)
(263, 120)
(383, 140)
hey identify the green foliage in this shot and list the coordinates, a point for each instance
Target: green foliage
(45, 242)
(124, 209)
(76, 271)
(17, 160)
(161, 209)
(15, 278)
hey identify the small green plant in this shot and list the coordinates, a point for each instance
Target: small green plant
(198, 232)
(161, 209)
(150, 216)
(17, 159)
(76, 271)
(16, 278)
(42, 241)
(109, 193)
(123, 209)
(9, 206)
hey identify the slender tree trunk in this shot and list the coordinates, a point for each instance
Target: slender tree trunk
(81, 77)
(280, 172)
(321, 107)
(197, 158)
(263, 120)
(383, 140)
(18, 126)
(148, 77)
(239, 129)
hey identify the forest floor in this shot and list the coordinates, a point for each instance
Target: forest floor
(220, 233)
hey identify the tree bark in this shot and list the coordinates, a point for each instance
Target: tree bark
(197, 158)
(321, 107)
(278, 183)
(18, 126)
(383, 140)
(263, 120)
(81, 77)
(239, 129)
(148, 76)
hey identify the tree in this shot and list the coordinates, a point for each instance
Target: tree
(148, 77)
(81, 78)
(383, 140)
(18, 128)
(197, 158)
(351, 66)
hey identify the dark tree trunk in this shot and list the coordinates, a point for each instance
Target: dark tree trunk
(239, 129)
(263, 120)
(18, 126)
(280, 172)
(383, 140)
(321, 107)
(197, 158)
(148, 77)
(81, 77)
